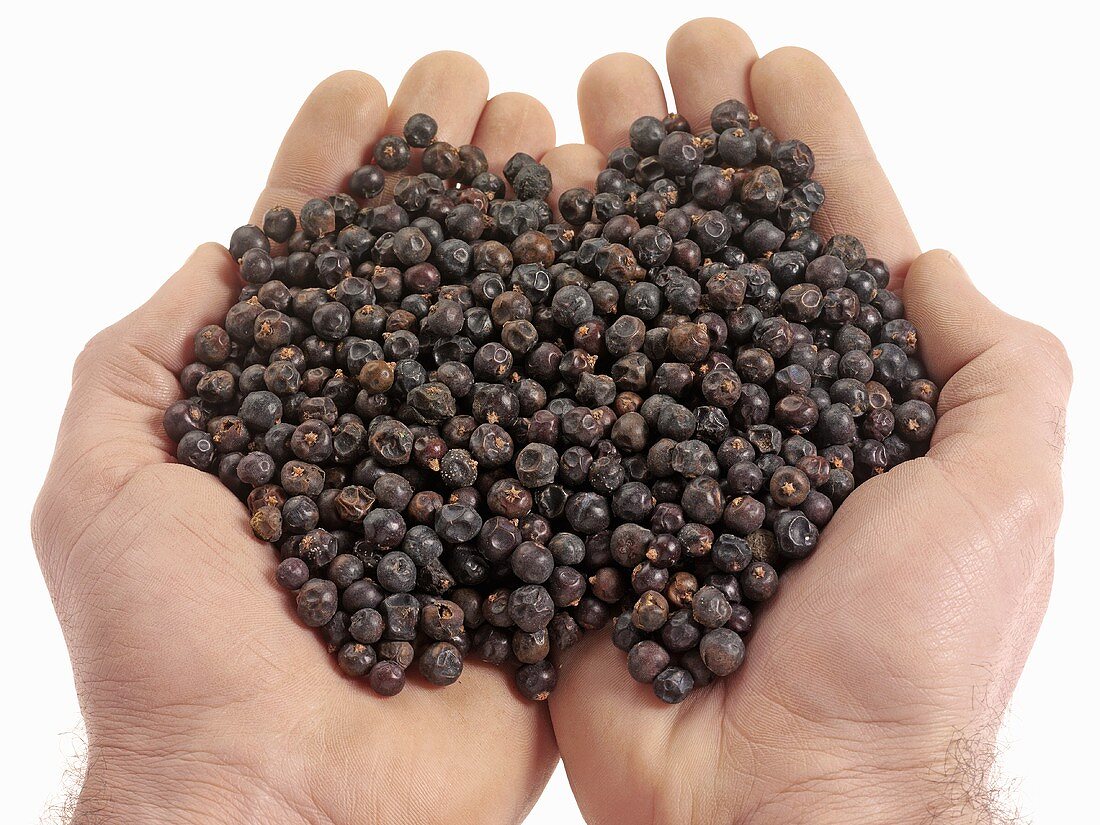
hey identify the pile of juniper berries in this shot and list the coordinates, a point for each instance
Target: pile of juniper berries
(472, 430)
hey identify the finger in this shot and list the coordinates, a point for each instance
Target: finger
(449, 86)
(709, 61)
(131, 366)
(510, 123)
(328, 140)
(613, 92)
(797, 96)
(572, 165)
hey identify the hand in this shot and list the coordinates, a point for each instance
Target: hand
(204, 700)
(888, 656)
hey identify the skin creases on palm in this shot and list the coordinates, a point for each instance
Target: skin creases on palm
(201, 692)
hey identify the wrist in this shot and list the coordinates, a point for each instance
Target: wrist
(954, 786)
(174, 788)
(916, 801)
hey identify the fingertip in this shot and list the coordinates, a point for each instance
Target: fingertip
(791, 58)
(326, 140)
(609, 64)
(574, 164)
(612, 93)
(936, 266)
(709, 60)
(955, 321)
(450, 86)
(702, 29)
(537, 117)
(513, 122)
(608, 73)
(797, 96)
(790, 84)
(352, 89)
(448, 62)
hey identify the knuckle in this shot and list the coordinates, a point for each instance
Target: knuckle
(1039, 503)
(40, 521)
(112, 364)
(47, 522)
(94, 353)
(1050, 353)
(1033, 355)
(1031, 520)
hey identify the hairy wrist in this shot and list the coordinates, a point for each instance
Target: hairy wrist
(904, 801)
(956, 785)
(175, 789)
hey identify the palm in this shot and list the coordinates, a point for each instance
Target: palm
(176, 629)
(928, 585)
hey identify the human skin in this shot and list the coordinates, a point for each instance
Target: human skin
(898, 642)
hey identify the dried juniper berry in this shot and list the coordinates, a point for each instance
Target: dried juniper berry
(292, 573)
(417, 394)
(366, 625)
(646, 660)
(536, 681)
(530, 607)
(915, 421)
(420, 130)
(722, 651)
(441, 663)
(317, 602)
(759, 582)
(387, 678)
(673, 684)
(709, 607)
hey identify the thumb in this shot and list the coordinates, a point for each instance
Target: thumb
(122, 381)
(1005, 381)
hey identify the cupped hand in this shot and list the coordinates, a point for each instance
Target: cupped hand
(885, 660)
(204, 700)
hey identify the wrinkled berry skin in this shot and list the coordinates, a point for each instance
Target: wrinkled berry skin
(317, 602)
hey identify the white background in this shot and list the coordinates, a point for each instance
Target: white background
(131, 137)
